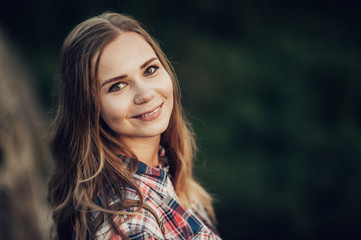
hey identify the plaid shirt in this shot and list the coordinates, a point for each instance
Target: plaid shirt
(176, 221)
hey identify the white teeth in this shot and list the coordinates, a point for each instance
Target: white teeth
(151, 113)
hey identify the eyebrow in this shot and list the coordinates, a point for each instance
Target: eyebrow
(113, 79)
(148, 62)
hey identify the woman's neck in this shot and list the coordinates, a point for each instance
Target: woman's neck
(146, 149)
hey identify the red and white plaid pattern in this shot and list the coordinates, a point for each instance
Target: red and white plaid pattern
(158, 192)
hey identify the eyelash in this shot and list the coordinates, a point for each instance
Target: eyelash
(112, 88)
(151, 67)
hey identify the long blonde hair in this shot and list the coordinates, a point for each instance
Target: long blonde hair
(84, 147)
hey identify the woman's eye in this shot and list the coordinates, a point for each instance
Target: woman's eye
(150, 70)
(118, 86)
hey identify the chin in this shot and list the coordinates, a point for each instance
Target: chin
(156, 132)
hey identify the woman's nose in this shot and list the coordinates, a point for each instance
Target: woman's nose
(144, 93)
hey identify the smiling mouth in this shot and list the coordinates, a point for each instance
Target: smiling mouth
(144, 115)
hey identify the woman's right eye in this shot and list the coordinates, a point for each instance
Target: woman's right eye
(118, 86)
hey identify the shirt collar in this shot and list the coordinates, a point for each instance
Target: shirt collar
(155, 178)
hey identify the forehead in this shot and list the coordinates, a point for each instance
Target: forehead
(128, 51)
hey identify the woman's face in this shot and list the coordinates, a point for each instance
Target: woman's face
(136, 91)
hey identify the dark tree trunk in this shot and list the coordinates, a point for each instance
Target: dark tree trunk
(24, 213)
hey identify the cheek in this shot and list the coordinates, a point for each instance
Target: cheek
(171, 92)
(168, 92)
(168, 88)
(112, 111)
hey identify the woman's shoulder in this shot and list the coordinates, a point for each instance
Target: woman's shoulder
(161, 215)
(140, 219)
(138, 223)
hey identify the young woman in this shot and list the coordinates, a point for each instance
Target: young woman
(122, 146)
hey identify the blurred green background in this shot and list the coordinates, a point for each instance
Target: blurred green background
(273, 89)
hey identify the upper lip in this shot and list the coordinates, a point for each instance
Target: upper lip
(137, 115)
